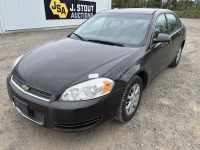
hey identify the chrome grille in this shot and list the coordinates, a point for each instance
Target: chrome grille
(43, 95)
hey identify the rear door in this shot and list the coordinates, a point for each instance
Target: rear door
(176, 33)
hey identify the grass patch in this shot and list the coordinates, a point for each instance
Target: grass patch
(188, 14)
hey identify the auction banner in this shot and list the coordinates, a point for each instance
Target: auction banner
(69, 9)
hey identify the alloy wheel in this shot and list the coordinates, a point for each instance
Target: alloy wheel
(132, 99)
(178, 55)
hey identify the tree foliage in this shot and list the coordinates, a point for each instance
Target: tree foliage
(179, 5)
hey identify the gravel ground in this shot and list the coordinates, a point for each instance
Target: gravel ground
(168, 117)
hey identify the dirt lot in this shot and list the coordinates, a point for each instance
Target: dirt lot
(168, 118)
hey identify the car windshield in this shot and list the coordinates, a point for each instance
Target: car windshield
(116, 29)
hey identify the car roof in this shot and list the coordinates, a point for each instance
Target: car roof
(148, 11)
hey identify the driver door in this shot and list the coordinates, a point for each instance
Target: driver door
(159, 52)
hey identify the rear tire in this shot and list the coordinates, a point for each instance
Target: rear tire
(176, 60)
(130, 100)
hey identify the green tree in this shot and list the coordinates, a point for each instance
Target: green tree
(157, 3)
(176, 5)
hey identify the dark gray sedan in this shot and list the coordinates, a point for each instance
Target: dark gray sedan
(99, 71)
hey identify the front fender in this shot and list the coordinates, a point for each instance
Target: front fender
(126, 77)
(124, 71)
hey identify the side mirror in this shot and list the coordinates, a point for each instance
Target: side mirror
(162, 38)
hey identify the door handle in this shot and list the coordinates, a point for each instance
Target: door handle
(170, 42)
(166, 44)
(181, 33)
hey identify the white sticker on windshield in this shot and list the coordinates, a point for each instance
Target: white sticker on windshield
(93, 76)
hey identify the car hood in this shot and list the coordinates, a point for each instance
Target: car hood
(57, 65)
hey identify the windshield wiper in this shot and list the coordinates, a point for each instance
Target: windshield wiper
(79, 36)
(106, 42)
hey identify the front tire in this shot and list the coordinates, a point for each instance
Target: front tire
(176, 61)
(130, 100)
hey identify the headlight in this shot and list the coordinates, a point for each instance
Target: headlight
(88, 90)
(17, 60)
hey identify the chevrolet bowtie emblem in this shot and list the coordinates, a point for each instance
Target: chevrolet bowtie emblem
(25, 88)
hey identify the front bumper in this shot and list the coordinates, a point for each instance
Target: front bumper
(65, 116)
